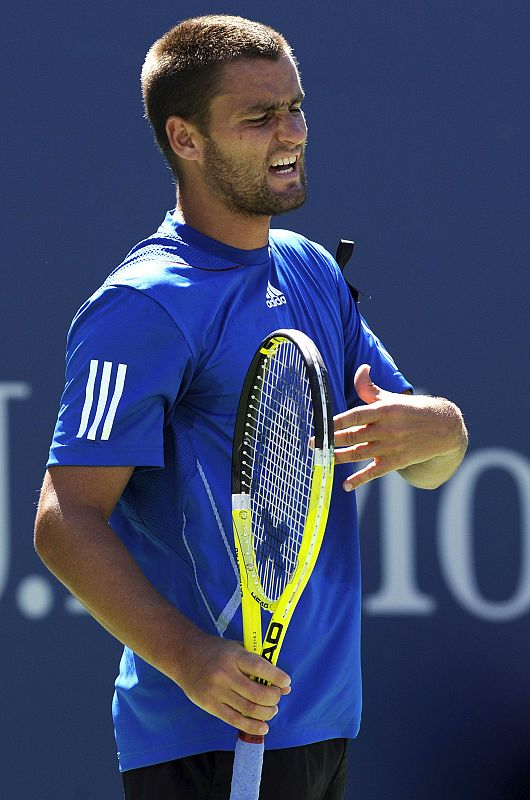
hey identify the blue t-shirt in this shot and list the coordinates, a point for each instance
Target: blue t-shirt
(156, 359)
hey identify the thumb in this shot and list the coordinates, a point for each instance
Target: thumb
(367, 391)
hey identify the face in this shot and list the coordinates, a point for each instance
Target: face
(256, 121)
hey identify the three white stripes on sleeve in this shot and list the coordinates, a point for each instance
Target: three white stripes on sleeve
(104, 388)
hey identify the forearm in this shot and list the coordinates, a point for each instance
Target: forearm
(88, 558)
(84, 553)
(434, 471)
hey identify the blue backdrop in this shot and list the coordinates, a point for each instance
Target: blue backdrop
(419, 128)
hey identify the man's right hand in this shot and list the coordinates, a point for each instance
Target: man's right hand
(218, 680)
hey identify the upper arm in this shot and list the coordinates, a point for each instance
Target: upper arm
(68, 490)
(363, 346)
(126, 365)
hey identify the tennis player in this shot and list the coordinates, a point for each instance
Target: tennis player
(134, 516)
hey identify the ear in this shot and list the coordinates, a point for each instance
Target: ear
(184, 138)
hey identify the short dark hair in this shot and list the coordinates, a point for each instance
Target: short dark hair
(181, 71)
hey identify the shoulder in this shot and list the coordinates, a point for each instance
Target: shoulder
(296, 244)
(295, 247)
(163, 283)
(159, 261)
(149, 280)
(136, 298)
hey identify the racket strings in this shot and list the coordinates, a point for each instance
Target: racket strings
(290, 428)
(278, 465)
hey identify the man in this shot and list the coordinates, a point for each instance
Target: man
(155, 364)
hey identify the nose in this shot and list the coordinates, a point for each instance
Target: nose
(292, 128)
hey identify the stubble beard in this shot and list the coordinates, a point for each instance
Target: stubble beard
(244, 189)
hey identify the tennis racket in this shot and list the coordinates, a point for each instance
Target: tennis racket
(282, 476)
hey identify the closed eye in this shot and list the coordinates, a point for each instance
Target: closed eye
(264, 117)
(259, 120)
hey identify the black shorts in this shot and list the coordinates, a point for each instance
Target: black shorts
(312, 772)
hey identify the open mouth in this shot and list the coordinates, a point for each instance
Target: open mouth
(284, 166)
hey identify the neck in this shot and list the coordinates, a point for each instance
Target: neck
(210, 216)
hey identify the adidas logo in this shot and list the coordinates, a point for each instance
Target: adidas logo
(274, 297)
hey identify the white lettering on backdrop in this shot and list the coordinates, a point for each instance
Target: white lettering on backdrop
(399, 592)
(8, 391)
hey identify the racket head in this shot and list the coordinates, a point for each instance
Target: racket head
(282, 466)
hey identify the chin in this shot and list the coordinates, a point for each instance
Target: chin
(292, 202)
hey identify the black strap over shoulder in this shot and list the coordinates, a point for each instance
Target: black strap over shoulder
(343, 255)
(344, 252)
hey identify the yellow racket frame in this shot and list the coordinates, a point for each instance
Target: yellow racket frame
(253, 597)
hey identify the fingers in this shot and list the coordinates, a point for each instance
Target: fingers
(361, 452)
(230, 715)
(260, 668)
(373, 470)
(254, 711)
(257, 693)
(253, 703)
(242, 714)
(357, 417)
(245, 704)
(371, 432)
(368, 391)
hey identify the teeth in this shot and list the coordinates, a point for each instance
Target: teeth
(284, 162)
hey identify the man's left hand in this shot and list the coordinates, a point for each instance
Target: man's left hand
(423, 437)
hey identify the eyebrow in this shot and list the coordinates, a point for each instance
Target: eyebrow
(261, 108)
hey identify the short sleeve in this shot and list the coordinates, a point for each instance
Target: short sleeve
(127, 363)
(362, 346)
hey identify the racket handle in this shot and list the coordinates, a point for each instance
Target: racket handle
(248, 761)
